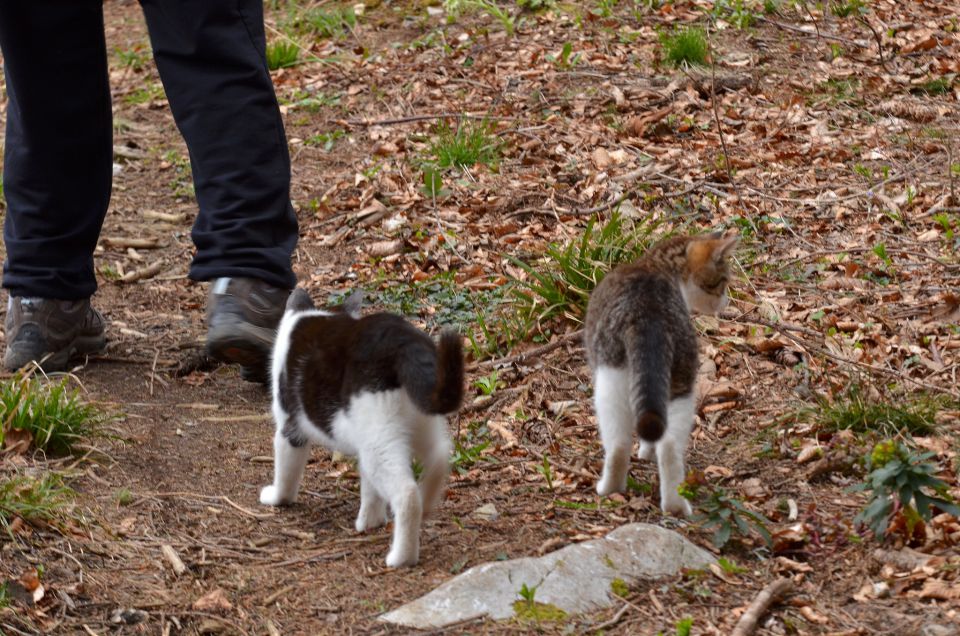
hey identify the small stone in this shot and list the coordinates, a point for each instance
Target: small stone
(127, 616)
(486, 512)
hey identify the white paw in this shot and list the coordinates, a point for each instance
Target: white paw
(607, 486)
(677, 506)
(647, 451)
(369, 519)
(270, 496)
(398, 558)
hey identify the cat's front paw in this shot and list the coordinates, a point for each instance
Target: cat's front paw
(607, 486)
(677, 506)
(399, 558)
(270, 496)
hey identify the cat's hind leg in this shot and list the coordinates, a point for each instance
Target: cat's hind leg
(616, 422)
(391, 474)
(436, 463)
(373, 507)
(288, 464)
(670, 452)
(648, 450)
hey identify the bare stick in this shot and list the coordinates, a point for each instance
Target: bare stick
(612, 621)
(140, 274)
(767, 597)
(173, 559)
(532, 353)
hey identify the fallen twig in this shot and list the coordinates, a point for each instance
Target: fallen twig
(173, 559)
(536, 352)
(611, 621)
(766, 598)
(140, 274)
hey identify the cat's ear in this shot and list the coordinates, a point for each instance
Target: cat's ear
(725, 246)
(299, 300)
(353, 303)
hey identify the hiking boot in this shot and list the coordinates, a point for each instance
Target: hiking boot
(50, 332)
(242, 319)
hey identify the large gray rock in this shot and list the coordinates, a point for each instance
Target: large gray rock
(574, 579)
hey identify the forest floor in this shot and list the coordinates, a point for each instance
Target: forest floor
(835, 160)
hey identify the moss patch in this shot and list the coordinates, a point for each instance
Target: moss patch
(538, 612)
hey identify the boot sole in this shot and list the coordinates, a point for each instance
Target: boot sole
(52, 362)
(241, 343)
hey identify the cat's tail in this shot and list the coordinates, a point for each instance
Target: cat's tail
(436, 385)
(448, 390)
(649, 365)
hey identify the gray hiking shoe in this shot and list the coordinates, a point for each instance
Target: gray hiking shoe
(50, 332)
(242, 319)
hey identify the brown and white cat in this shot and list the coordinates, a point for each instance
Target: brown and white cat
(374, 387)
(642, 349)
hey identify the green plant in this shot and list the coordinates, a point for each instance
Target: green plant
(567, 59)
(134, 58)
(723, 513)
(545, 470)
(528, 609)
(488, 384)
(54, 416)
(900, 482)
(34, 499)
(468, 446)
(469, 144)
(687, 46)
(4, 597)
(846, 8)
(282, 54)
(855, 410)
(324, 140)
(742, 14)
(150, 93)
(456, 7)
(938, 86)
(562, 282)
(535, 5)
(124, 497)
(620, 588)
(329, 23)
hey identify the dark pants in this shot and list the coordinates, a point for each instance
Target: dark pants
(58, 149)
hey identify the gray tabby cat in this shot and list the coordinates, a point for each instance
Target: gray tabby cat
(642, 349)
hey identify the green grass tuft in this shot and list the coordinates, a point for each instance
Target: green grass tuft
(467, 145)
(854, 410)
(51, 413)
(685, 47)
(282, 54)
(560, 284)
(35, 500)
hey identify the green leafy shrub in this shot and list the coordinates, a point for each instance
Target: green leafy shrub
(901, 483)
(722, 513)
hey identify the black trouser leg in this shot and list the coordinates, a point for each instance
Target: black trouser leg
(58, 149)
(212, 63)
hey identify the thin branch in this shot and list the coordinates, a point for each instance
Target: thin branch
(767, 597)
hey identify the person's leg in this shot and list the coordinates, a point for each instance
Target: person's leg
(57, 176)
(212, 63)
(211, 57)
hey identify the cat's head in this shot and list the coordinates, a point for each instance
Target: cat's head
(707, 272)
